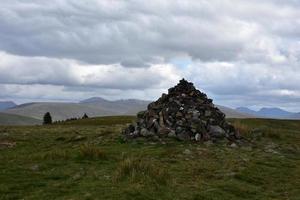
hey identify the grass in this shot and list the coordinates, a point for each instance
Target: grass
(86, 159)
(137, 169)
(91, 151)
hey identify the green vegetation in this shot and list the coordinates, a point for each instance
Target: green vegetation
(47, 118)
(86, 159)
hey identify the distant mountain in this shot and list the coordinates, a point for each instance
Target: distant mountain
(295, 116)
(93, 107)
(276, 113)
(94, 100)
(232, 113)
(11, 119)
(120, 107)
(246, 111)
(6, 105)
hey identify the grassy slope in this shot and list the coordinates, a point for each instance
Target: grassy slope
(88, 161)
(11, 119)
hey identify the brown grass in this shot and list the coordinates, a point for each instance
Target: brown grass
(243, 129)
(90, 151)
(140, 170)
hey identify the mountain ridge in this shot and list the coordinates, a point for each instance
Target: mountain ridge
(270, 112)
(93, 107)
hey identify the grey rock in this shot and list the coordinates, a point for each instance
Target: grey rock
(216, 131)
(146, 133)
(197, 137)
(35, 167)
(233, 145)
(183, 136)
(172, 134)
(187, 152)
(207, 113)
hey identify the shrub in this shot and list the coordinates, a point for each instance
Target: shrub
(47, 118)
(85, 116)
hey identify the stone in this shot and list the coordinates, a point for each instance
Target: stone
(198, 137)
(172, 134)
(146, 133)
(216, 131)
(233, 145)
(207, 113)
(164, 131)
(183, 136)
(161, 119)
(35, 167)
(187, 152)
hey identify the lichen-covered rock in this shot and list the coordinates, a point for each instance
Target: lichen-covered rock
(184, 113)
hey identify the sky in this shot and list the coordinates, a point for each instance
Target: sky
(241, 53)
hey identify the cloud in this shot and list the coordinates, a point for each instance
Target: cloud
(241, 53)
(137, 34)
(65, 72)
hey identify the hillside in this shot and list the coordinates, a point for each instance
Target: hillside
(83, 160)
(94, 107)
(59, 111)
(11, 119)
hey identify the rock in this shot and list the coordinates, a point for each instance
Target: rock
(197, 137)
(183, 136)
(77, 176)
(216, 131)
(187, 152)
(184, 113)
(5, 134)
(35, 167)
(233, 145)
(172, 134)
(78, 138)
(161, 119)
(164, 131)
(146, 133)
(207, 113)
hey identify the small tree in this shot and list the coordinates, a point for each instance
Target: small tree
(85, 116)
(47, 118)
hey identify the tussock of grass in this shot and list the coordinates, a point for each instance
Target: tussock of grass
(140, 170)
(243, 129)
(56, 154)
(90, 151)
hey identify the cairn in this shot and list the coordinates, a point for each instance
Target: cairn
(184, 113)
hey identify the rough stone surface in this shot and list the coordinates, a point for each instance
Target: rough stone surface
(184, 113)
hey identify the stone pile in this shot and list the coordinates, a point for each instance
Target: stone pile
(184, 113)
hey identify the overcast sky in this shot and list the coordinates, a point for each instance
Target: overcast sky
(241, 53)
